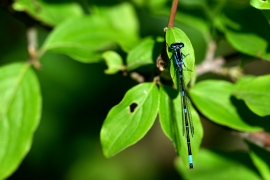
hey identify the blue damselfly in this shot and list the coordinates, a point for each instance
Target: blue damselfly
(187, 124)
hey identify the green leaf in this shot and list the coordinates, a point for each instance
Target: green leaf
(192, 3)
(170, 116)
(198, 31)
(20, 110)
(261, 160)
(114, 62)
(86, 38)
(49, 13)
(243, 35)
(155, 3)
(174, 35)
(267, 15)
(141, 55)
(197, 23)
(212, 98)
(260, 4)
(256, 94)
(221, 166)
(131, 119)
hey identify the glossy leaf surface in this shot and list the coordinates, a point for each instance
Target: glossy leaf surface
(131, 119)
(20, 110)
(212, 98)
(170, 116)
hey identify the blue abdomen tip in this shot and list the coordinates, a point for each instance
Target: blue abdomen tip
(190, 159)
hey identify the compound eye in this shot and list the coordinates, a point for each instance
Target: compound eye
(173, 46)
(181, 45)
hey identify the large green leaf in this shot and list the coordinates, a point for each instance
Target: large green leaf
(20, 110)
(86, 38)
(170, 116)
(260, 4)
(212, 98)
(114, 62)
(247, 30)
(261, 160)
(267, 15)
(256, 94)
(49, 13)
(175, 35)
(141, 55)
(220, 166)
(131, 119)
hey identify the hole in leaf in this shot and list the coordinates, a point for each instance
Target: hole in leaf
(132, 107)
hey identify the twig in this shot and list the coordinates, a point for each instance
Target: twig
(210, 64)
(32, 47)
(137, 77)
(214, 65)
(261, 139)
(173, 13)
(161, 59)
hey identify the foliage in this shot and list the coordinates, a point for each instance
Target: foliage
(20, 112)
(128, 37)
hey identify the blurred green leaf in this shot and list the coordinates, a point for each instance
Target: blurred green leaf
(255, 92)
(243, 35)
(86, 38)
(131, 119)
(151, 3)
(261, 160)
(267, 15)
(244, 79)
(49, 13)
(114, 62)
(212, 98)
(20, 110)
(260, 4)
(170, 117)
(197, 23)
(194, 3)
(141, 55)
(174, 35)
(209, 8)
(221, 166)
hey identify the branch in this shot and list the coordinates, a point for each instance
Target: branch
(161, 61)
(210, 64)
(137, 77)
(215, 65)
(32, 47)
(261, 139)
(173, 13)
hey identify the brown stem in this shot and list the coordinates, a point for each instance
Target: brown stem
(173, 13)
(215, 65)
(32, 47)
(137, 77)
(262, 139)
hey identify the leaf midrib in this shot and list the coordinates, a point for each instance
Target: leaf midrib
(120, 134)
(15, 88)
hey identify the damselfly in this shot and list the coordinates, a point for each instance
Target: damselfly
(187, 124)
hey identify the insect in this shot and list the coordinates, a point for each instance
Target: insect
(187, 123)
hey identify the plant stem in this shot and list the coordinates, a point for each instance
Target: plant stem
(262, 139)
(32, 47)
(215, 65)
(173, 13)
